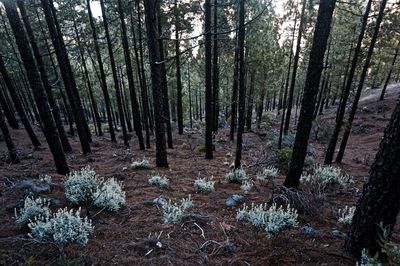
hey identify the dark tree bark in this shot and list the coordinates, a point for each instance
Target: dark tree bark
(294, 72)
(190, 97)
(156, 80)
(12, 152)
(125, 100)
(390, 72)
(242, 88)
(249, 114)
(67, 75)
(234, 93)
(141, 74)
(49, 127)
(380, 201)
(103, 81)
(179, 105)
(208, 87)
(260, 108)
(346, 92)
(215, 75)
(313, 77)
(114, 74)
(8, 111)
(46, 83)
(18, 104)
(354, 106)
(97, 118)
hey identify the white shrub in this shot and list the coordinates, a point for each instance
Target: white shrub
(368, 260)
(204, 185)
(144, 164)
(85, 187)
(247, 185)
(272, 219)
(268, 173)
(32, 208)
(346, 214)
(45, 178)
(236, 175)
(174, 212)
(81, 185)
(327, 176)
(159, 180)
(110, 195)
(62, 227)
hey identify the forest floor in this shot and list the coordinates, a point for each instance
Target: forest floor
(210, 234)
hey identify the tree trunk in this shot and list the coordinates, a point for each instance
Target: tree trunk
(346, 92)
(208, 87)
(354, 106)
(114, 74)
(380, 201)
(249, 115)
(12, 152)
(242, 88)
(234, 92)
(313, 77)
(102, 74)
(179, 106)
(8, 111)
(49, 127)
(215, 75)
(390, 72)
(46, 83)
(294, 72)
(156, 80)
(18, 105)
(68, 78)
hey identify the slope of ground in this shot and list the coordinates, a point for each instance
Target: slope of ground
(211, 233)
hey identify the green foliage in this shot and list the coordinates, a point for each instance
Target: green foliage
(285, 155)
(201, 148)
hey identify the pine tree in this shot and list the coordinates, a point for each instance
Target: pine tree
(208, 87)
(12, 153)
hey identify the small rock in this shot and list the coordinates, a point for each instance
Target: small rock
(159, 201)
(56, 203)
(339, 234)
(33, 185)
(309, 230)
(233, 200)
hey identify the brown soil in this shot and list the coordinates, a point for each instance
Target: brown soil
(124, 238)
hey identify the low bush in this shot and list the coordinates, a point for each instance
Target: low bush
(236, 175)
(32, 208)
(174, 212)
(204, 185)
(159, 180)
(143, 164)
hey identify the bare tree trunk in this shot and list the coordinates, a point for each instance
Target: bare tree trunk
(208, 87)
(12, 152)
(390, 72)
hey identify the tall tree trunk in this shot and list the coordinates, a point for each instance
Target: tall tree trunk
(313, 77)
(156, 80)
(18, 105)
(294, 72)
(208, 87)
(12, 152)
(179, 105)
(8, 111)
(43, 74)
(114, 74)
(102, 74)
(249, 115)
(242, 88)
(49, 127)
(234, 92)
(190, 97)
(89, 85)
(215, 75)
(68, 78)
(380, 201)
(346, 92)
(354, 106)
(164, 81)
(390, 72)
(141, 74)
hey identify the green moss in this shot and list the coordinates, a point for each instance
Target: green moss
(285, 155)
(201, 148)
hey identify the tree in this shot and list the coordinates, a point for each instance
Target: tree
(346, 90)
(208, 87)
(313, 77)
(115, 76)
(380, 202)
(12, 153)
(396, 53)
(156, 80)
(363, 76)
(18, 104)
(179, 104)
(43, 74)
(215, 68)
(49, 127)
(242, 89)
(8, 112)
(102, 73)
(67, 75)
